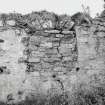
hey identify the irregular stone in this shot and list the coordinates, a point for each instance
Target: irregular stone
(59, 69)
(46, 19)
(67, 58)
(52, 31)
(11, 22)
(46, 65)
(55, 44)
(67, 38)
(83, 39)
(84, 31)
(42, 33)
(36, 24)
(67, 45)
(47, 24)
(100, 34)
(51, 51)
(22, 59)
(37, 54)
(65, 22)
(34, 59)
(33, 47)
(51, 59)
(36, 74)
(34, 67)
(46, 44)
(1, 23)
(66, 49)
(66, 53)
(59, 35)
(100, 48)
(25, 41)
(18, 32)
(55, 39)
(67, 32)
(35, 40)
(68, 41)
(42, 49)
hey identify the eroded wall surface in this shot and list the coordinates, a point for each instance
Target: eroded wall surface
(42, 55)
(36, 55)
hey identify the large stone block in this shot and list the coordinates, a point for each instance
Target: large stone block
(66, 49)
(46, 44)
(11, 22)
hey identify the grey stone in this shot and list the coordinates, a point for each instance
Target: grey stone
(51, 59)
(55, 44)
(67, 58)
(60, 69)
(37, 54)
(67, 32)
(100, 34)
(11, 22)
(59, 35)
(51, 52)
(52, 31)
(66, 49)
(34, 59)
(46, 44)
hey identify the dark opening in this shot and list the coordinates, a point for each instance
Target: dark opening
(54, 76)
(1, 41)
(2, 68)
(77, 69)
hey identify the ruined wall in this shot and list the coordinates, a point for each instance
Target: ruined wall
(90, 42)
(37, 53)
(43, 55)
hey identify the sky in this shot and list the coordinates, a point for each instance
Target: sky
(69, 7)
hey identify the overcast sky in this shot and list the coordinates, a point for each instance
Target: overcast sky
(58, 6)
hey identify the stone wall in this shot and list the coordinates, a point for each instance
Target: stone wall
(46, 55)
(90, 42)
(39, 51)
